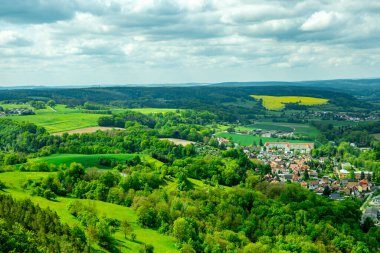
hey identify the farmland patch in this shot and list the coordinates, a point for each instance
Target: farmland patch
(278, 102)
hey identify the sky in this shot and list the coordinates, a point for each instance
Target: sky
(80, 42)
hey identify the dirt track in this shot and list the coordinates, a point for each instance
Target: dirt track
(178, 141)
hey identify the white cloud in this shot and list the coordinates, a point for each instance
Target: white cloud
(321, 20)
(231, 39)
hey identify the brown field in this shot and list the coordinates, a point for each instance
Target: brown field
(87, 130)
(178, 141)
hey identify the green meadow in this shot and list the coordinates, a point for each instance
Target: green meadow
(60, 118)
(92, 160)
(301, 129)
(147, 110)
(246, 139)
(161, 243)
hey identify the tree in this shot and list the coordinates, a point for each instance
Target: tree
(2, 186)
(147, 248)
(327, 191)
(126, 228)
(261, 142)
(307, 177)
(367, 224)
(76, 171)
(186, 248)
(51, 103)
(183, 229)
(49, 195)
(362, 176)
(231, 130)
(92, 233)
(352, 174)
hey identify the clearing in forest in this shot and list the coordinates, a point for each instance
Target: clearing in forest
(178, 141)
(87, 130)
(278, 102)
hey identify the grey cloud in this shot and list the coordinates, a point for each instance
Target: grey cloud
(174, 33)
(36, 11)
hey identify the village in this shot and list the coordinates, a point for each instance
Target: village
(293, 163)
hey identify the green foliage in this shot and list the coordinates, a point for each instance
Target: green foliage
(51, 103)
(2, 186)
(38, 104)
(25, 227)
(247, 140)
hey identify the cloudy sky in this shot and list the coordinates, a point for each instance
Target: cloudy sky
(58, 42)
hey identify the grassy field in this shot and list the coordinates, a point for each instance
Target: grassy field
(60, 118)
(271, 126)
(92, 160)
(278, 102)
(57, 122)
(153, 110)
(246, 140)
(306, 130)
(161, 243)
(301, 129)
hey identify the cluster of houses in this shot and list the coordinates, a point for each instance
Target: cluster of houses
(287, 147)
(290, 162)
(17, 111)
(356, 117)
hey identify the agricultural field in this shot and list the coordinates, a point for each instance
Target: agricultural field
(246, 139)
(161, 243)
(309, 132)
(144, 110)
(61, 119)
(300, 129)
(59, 122)
(91, 160)
(271, 126)
(278, 102)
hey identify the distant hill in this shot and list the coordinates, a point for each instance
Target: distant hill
(361, 87)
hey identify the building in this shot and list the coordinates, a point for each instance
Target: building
(343, 173)
(366, 174)
(372, 213)
(288, 147)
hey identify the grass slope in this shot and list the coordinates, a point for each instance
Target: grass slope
(147, 110)
(246, 140)
(161, 243)
(278, 102)
(60, 118)
(91, 160)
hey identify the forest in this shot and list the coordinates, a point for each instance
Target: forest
(207, 196)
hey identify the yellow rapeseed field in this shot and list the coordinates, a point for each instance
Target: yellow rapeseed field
(278, 102)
